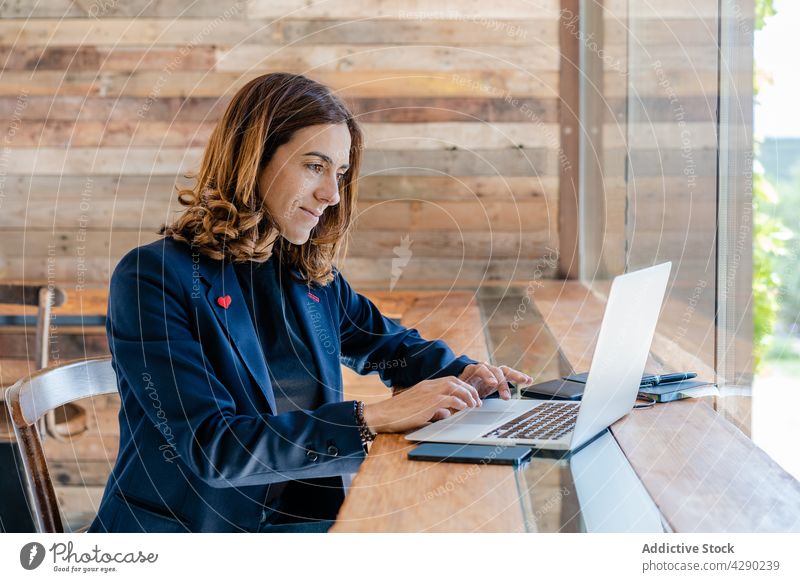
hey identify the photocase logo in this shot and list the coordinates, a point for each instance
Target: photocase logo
(31, 555)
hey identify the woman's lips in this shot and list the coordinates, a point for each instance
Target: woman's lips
(310, 214)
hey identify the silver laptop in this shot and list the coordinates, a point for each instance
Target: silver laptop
(617, 366)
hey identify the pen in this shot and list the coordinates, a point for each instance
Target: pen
(655, 379)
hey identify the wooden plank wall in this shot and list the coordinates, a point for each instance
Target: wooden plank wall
(106, 104)
(651, 164)
(672, 166)
(651, 89)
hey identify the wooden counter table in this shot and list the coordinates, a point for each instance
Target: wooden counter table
(703, 474)
(391, 493)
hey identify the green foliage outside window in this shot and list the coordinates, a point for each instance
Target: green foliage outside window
(769, 239)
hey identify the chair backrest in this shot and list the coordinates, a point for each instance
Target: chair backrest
(31, 398)
(44, 297)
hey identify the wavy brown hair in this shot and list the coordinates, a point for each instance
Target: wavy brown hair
(226, 216)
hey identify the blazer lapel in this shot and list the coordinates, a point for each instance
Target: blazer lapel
(236, 320)
(323, 342)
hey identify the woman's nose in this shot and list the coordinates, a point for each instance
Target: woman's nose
(329, 191)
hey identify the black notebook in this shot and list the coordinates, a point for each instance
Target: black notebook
(676, 390)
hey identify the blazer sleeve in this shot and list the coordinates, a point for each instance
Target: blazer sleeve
(155, 351)
(371, 342)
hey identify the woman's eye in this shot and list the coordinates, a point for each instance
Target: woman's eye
(319, 169)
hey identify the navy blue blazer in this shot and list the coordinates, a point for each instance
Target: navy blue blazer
(200, 440)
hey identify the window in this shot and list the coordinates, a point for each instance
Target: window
(665, 173)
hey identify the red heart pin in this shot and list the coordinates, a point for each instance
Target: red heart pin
(224, 302)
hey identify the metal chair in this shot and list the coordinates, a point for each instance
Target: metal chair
(44, 298)
(32, 398)
(67, 422)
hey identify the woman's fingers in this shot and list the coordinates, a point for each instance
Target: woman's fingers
(516, 375)
(459, 396)
(505, 389)
(431, 400)
(504, 374)
(482, 374)
(441, 414)
(490, 378)
(500, 382)
(439, 398)
(451, 401)
(467, 392)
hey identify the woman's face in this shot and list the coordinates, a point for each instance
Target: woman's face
(303, 177)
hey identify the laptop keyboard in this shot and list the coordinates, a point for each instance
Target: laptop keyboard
(549, 420)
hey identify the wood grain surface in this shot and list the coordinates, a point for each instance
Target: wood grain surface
(111, 103)
(391, 493)
(702, 472)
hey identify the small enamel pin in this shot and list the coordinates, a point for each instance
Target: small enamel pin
(224, 302)
(314, 297)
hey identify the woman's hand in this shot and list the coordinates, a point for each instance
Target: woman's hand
(487, 378)
(429, 400)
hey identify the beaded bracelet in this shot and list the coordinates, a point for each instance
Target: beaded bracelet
(366, 434)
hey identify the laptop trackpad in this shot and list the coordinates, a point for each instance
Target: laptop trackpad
(487, 417)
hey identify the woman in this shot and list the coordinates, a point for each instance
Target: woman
(227, 335)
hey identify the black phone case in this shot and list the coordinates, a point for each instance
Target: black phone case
(560, 389)
(483, 454)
